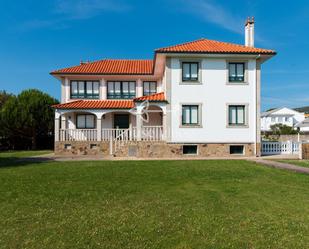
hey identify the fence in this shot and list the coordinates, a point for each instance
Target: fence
(278, 148)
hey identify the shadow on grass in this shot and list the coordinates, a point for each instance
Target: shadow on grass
(8, 162)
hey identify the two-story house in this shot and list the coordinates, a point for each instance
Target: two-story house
(284, 116)
(196, 98)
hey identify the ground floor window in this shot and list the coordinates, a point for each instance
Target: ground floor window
(189, 149)
(237, 116)
(85, 121)
(190, 115)
(236, 149)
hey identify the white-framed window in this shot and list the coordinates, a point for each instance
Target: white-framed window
(190, 71)
(237, 115)
(121, 89)
(273, 119)
(149, 87)
(190, 115)
(84, 89)
(236, 72)
(85, 121)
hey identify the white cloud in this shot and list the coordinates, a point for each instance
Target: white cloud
(214, 13)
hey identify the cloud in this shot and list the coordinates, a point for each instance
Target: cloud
(214, 13)
(65, 11)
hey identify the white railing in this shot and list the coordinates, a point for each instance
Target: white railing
(277, 148)
(152, 133)
(78, 135)
(148, 133)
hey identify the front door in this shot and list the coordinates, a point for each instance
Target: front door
(121, 121)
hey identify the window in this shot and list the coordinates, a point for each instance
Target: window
(280, 119)
(286, 119)
(236, 115)
(150, 87)
(273, 119)
(190, 115)
(121, 89)
(189, 149)
(236, 149)
(85, 121)
(236, 72)
(190, 71)
(85, 89)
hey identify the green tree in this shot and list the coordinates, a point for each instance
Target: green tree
(28, 117)
(4, 96)
(280, 129)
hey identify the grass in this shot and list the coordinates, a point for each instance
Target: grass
(152, 204)
(23, 153)
(302, 163)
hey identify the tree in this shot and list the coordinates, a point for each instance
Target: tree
(4, 96)
(28, 118)
(280, 129)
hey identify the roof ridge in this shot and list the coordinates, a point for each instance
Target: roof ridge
(181, 44)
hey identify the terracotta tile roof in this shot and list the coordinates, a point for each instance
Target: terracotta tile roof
(211, 46)
(153, 97)
(110, 66)
(96, 104)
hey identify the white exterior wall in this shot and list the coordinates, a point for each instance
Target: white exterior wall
(213, 94)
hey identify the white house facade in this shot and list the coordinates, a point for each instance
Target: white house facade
(284, 116)
(196, 98)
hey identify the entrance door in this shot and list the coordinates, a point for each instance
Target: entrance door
(121, 121)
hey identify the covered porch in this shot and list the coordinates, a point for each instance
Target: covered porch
(137, 124)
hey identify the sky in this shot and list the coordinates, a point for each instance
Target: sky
(38, 36)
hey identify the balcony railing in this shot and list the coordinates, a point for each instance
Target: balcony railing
(78, 135)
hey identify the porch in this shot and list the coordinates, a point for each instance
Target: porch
(111, 125)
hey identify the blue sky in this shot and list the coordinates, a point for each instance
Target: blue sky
(39, 36)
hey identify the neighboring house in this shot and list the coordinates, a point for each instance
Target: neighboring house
(304, 109)
(203, 96)
(303, 125)
(285, 116)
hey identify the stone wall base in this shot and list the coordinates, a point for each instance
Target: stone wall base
(146, 149)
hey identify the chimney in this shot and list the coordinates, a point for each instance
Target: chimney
(249, 32)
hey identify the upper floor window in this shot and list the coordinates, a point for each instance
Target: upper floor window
(85, 121)
(150, 87)
(237, 115)
(84, 89)
(190, 115)
(121, 90)
(190, 71)
(236, 72)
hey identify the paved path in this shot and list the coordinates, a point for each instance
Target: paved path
(279, 165)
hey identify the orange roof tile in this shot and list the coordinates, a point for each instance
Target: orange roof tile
(152, 97)
(96, 104)
(211, 46)
(110, 66)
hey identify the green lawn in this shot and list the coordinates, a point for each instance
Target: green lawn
(23, 153)
(302, 163)
(152, 204)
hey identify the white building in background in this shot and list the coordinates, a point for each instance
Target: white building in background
(203, 95)
(284, 115)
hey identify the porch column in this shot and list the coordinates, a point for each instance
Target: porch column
(164, 124)
(99, 129)
(103, 89)
(57, 123)
(63, 122)
(139, 124)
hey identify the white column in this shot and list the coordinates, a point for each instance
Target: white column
(139, 88)
(99, 129)
(66, 89)
(164, 124)
(57, 123)
(103, 89)
(139, 125)
(63, 122)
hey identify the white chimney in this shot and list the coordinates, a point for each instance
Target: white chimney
(249, 32)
